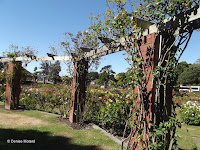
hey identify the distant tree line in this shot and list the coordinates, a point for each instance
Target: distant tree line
(188, 74)
(107, 76)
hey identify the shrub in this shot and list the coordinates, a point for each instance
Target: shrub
(190, 113)
(46, 99)
(109, 109)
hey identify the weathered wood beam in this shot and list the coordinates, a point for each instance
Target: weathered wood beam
(110, 46)
(142, 23)
(85, 49)
(37, 58)
(190, 17)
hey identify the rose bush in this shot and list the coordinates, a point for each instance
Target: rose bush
(190, 113)
(2, 85)
(108, 108)
(48, 99)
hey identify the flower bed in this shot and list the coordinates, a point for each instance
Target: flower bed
(190, 113)
(48, 99)
(183, 97)
(109, 109)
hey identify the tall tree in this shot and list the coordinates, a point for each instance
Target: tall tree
(180, 69)
(54, 72)
(121, 79)
(93, 75)
(106, 74)
(190, 76)
(45, 67)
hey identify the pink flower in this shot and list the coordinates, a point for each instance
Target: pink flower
(85, 32)
(21, 95)
(103, 97)
(94, 97)
(107, 20)
(128, 96)
(128, 102)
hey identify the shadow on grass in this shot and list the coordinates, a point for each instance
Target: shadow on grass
(43, 141)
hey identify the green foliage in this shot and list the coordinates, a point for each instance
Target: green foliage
(2, 84)
(54, 72)
(190, 113)
(106, 74)
(46, 99)
(51, 71)
(93, 75)
(161, 132)
(24, 74)
(66, 80)
(122, 80)
(16, 51)
(190, 76)
(181, 67)
(11, 55)
(103, 77)
(110, 109)
(45, 67)
(158, 10)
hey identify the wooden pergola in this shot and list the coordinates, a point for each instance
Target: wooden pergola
(151, 34)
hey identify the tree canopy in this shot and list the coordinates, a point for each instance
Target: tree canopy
(51, 71)
(190, 76)
(106, 74)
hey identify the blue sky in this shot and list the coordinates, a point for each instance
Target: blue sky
(41, 23)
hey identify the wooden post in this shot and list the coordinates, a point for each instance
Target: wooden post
(13, 85)
(78, 90)
(43, 80)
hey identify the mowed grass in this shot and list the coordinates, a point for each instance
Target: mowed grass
(185, 136)
(48, 133)
(52, 134)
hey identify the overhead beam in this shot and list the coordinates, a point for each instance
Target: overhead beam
(190, 17)
(37, 58)
(110, 46)
(142, 23)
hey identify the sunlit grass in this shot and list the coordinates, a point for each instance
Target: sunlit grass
(56, 135)
(184, 134)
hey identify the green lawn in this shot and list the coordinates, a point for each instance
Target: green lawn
(52, 134)
(48, 133)
(185, 136)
